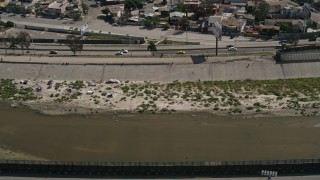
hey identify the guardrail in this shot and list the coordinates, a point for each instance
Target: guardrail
(177, 169)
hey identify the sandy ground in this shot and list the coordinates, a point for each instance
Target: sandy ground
(6, 154)
(65, 98)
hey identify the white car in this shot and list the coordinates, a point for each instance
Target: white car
(124, 51)
(119, 53)
(232, 49)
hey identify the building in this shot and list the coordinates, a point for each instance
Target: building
(57, 7)
(232, 26)
(275, 6)
(250, 19)
(315, 20)
(267, 30)
(115, 10)
(293, 12)
(193, 3)
(113, 2)
(175, 17)
(295, 25)
(240, 3)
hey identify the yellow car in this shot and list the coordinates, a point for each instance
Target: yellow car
(181, 52)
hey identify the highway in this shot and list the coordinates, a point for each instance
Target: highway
(65, 51)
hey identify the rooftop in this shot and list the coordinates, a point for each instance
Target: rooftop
(232, 22)
(57, 4)
(315, 17)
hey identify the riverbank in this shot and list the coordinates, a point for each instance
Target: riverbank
(9, 154)
(292, 97)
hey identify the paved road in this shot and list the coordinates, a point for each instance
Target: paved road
(101, 52)
(97, 25)
(156, 69)
(244, 178)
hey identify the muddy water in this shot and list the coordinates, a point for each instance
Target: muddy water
(165, 137)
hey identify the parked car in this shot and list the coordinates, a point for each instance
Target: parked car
(124, 51)
(53, 52)
(119, 53)
(181, 52)
(232, 49)
(229, 46)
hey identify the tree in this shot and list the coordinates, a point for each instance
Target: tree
(152, 46)
(5, 43)
(130, 5)
(23, 40)
(9, 24)
(284, 27)
(295, 39)
(205, 9)
(12, 42)
(164, 2)
(74, 43)
(148, 23)
(85, 8)
(261, 11)
(155, 20)
(151, 23)
(76, 16)
(184, 23)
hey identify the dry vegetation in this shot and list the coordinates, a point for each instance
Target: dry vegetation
(300, 96)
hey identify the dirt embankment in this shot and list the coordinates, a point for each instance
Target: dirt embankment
(267, 98)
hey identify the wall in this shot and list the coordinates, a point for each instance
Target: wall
(157, 169)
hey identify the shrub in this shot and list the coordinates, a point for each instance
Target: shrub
(9, 24)
(250, 108)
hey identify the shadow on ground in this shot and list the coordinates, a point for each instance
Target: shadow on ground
(178, 33)
(198, 59)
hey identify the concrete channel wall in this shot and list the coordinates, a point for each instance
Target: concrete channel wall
(158, 169)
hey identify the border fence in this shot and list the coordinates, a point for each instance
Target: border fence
(299, 54)
(158, 169)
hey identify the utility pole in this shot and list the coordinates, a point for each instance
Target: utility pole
(216, 45)
(187, 34)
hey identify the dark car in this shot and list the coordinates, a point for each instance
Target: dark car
(229, 46)
(53, 52)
